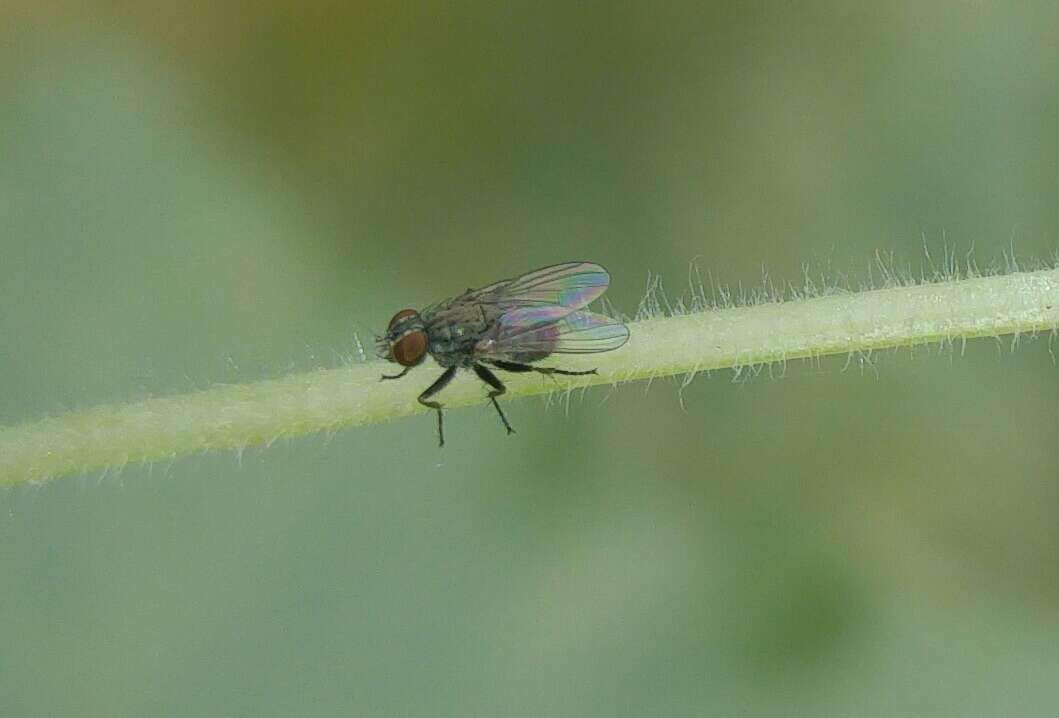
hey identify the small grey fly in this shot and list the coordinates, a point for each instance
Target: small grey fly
(507, 326)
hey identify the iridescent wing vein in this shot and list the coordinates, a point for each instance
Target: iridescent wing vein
(572, 285)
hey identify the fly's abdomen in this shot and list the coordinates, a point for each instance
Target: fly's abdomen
(544, 343)
(515, 343)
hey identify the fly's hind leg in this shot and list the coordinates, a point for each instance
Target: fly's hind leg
(433, 389)
(498, 389)
(517, 367)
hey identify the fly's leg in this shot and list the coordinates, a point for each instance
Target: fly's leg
(404, 371)
(517, 367)
(498, 390)
(433, 389)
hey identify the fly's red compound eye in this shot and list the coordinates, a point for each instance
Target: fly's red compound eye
(409, 349)
(401, 315)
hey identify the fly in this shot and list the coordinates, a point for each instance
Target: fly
(505, 326)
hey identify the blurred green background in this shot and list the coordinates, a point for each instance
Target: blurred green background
(202, 193)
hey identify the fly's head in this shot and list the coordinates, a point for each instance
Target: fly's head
(405, 341)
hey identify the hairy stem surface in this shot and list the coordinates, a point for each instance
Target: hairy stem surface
(237, 416)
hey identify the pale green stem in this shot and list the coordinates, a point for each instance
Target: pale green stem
(233, 417)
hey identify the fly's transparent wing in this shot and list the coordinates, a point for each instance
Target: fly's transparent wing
(533, 333)
(572, 285)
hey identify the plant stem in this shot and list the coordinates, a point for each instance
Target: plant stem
(237, 416)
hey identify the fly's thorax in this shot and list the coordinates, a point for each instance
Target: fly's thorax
(454, 330)
(453, 345)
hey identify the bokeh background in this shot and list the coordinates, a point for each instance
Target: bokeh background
(197, 193)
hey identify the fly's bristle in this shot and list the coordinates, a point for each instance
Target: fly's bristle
(382, 347)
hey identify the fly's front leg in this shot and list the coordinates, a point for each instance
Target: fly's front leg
(404, 371)
(430, 391)
(517, 367)
(498, 389)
